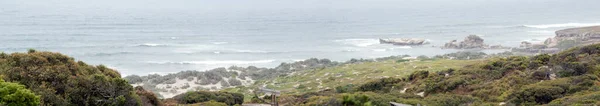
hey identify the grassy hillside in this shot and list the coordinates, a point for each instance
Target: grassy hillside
(320, 79)
(566, 78)
(349, 74)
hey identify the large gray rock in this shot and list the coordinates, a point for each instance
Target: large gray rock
(403, 41)
(470, 42)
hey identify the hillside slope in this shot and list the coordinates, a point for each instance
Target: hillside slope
(566, 78)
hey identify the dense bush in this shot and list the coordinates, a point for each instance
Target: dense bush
(212, 103)
(585, 98)
(544, 92)
(204, 96)
(60, 80)
(356, 100)
(345, 89)
(384, 85)
(148, 98)
(13, 94)
(449, 100)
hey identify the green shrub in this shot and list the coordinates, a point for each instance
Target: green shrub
(345, 89)
(203, 96)
(59, 80)
(356, 100)
(14, 94)
(402, 60)
(585, 98)
(213, 103)
(381, 85)
(449, 100)
(418, 75)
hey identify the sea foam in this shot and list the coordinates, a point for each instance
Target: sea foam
(358, 42)
(211, 62)
(151, 45)
(542, 26)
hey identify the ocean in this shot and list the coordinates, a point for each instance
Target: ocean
(166, 36)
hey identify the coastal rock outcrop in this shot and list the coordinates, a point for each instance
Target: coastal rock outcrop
(564, 39)
(470, 42)
(403, 41)
(583, 35)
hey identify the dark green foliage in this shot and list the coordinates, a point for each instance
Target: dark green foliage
(584, 99)
(62, 81)
(345, 89)
(539, 60)
(544, 92)
(356, 100)
(213, 103)
(402, 60)
(384, 85)
(538, 94)
(441, 84)
(418, 75)
(148, 98)
(577, 61)
(204, 96)
(13, 94)
(323, 101)
(449, 100)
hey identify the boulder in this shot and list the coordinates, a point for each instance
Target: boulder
(470, 42)
(403, 41)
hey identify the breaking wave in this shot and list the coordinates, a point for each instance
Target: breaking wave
(358, 42)
(152, 45)
(109, 53)
(542, 26)
(228, 62)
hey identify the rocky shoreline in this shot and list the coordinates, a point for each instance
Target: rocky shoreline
(166, 86)
(169, 85)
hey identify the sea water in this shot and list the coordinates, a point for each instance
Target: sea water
(165, 36)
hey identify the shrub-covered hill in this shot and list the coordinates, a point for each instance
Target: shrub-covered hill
(566, 78)
(62, 81)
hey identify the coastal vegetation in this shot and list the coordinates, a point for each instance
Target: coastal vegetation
(60, 80)
(566, 78)
(14, 94)
(570, 77)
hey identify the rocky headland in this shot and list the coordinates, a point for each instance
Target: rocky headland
(564, 39)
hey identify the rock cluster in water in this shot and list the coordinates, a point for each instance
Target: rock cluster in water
(403, 41)
(470, 42)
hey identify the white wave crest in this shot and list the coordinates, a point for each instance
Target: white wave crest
(358, 42)
(152, 45)
(251, 51)
(227, 62)
(542, 26)
(379, 50)
(402, 47)
(218, 43)
(542, 32)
